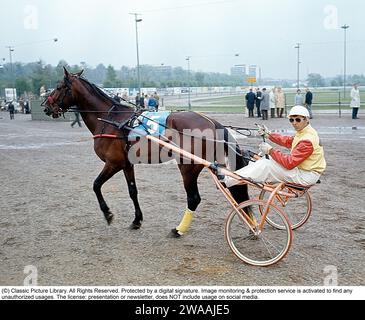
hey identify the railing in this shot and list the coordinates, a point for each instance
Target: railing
(325, 102)
(328, 102)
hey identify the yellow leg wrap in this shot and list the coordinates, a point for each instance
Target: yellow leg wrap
(185, 222)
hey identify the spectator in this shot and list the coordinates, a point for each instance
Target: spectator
(141, 101)
(21, 104)
(258, 102)
(279, 102)
(152, 103)
(250, 102)
(138, 100)
(3, 105)
(298, 99)
(355, 101)
(272, 102)
(145, 101)
(308, 101)
(77, 119)
(265, 104)
(11, 110)
(117, 98)
(26, 107)
(157, 97)
(125, 96)
(42, 91)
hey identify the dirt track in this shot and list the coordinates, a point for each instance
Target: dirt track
(50, 217)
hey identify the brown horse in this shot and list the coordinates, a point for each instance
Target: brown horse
(112, 144)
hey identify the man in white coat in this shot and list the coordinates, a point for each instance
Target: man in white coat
(355, 101)
(272, 102)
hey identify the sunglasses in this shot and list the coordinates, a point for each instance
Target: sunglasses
(296, 120)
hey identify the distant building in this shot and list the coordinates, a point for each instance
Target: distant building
(252, 71)
(239, 70)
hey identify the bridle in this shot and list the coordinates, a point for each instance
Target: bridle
(58, 107)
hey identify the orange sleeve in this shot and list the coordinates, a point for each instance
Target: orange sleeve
(284, 141)
(300, 153)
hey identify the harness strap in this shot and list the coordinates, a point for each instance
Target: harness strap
(107, 136)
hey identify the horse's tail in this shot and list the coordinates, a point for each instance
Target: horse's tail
(234, 161)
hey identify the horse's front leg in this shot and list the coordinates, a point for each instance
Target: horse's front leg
(133, 193)
(108, 172)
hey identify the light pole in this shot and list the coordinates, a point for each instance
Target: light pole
(138, 68)
(344, 27)
(161, 72)
(298, 65)
(189, 97)
(11, 50)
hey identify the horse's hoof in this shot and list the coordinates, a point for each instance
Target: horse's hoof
(109, 218)
(175, 234)
(135, 226)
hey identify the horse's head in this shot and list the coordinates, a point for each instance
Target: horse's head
(61, 99)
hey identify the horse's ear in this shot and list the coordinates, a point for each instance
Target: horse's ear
(80, 73)
(67, 74)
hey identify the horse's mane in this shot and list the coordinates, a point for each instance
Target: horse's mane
(101, 94)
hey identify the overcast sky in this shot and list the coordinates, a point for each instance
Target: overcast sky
(263, 32)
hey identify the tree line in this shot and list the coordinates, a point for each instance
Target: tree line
(316, 80)
(30, 77)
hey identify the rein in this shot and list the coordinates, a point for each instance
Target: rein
(248, 155)
(239, 129)
(127, 124)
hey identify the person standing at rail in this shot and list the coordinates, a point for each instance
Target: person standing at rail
(157, 97)
(279, 102)
(298, 99)
(272, 102)
(152, 103)
(308, 101)
(250, 102)
(265, 104)
(303, 166)
(258, 102)
(355, 101)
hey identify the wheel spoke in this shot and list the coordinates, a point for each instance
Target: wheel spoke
(297, 210)
(265, 248)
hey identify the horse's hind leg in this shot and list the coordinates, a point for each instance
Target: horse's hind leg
(190, 174)
(133, 193)
(108, 172)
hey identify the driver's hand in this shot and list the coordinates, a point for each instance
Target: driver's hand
(265, 148)
(263, 131)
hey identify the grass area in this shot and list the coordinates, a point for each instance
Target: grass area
(236, 104)
(226, 101)
(219, 109)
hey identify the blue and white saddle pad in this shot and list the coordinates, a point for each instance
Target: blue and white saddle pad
(149, 123)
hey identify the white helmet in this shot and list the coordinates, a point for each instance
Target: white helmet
(299, 111)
